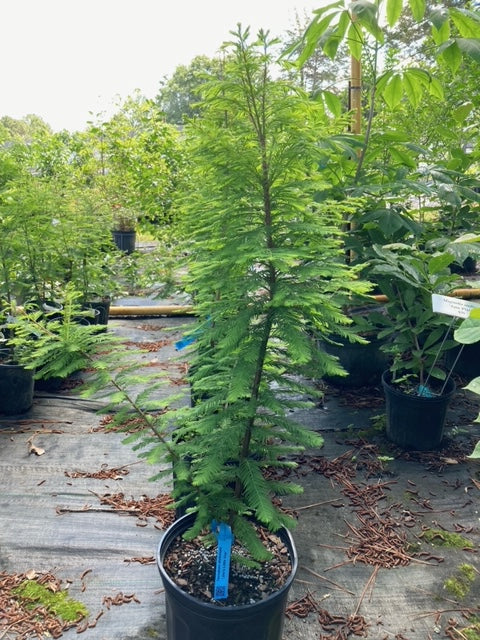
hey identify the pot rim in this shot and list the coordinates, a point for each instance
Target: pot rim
(447, 393)
(179, 526)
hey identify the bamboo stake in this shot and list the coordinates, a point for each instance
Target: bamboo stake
(162, 310)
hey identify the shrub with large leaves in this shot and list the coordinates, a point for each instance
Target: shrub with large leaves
(469, 333)
(408, 277)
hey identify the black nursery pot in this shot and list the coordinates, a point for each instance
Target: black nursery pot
(364, 362)
(102, 305)
(16, 389)
(413, 421)
(466, 360)
(125, 240)
(192, 619)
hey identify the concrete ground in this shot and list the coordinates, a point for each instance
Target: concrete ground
(387, 542)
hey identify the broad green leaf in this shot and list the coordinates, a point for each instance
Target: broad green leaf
(366, 13)
(364, 10)
(314, 33)
(330, 45)
(451, 55)
(461, 113)
(383, 80)
(475, 313)
(402, 157)
(333, 103)
(474, 385)
(467, 23)
(337, 34)
(469, 331)
(418, 9)
(467, 238)
(355, 40)
(393, 91)
(440, 262)
(422, 76)
(343, 23)
(470, 47)
(441, 35)
(413, 85)
(435, 88)
(438, 17)
(394, 11)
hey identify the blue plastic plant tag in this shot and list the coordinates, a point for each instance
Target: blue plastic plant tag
(424, 391)
(190, 338)
(181, 344)
(224, 537)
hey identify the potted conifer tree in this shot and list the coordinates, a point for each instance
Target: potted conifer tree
(266, 269)
(52, 349)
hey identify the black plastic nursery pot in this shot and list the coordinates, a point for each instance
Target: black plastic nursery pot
(125, 240)
(16, 389)
(192, 619)
(365, 363)
(102, 305)
(465, 361)
(413, 421)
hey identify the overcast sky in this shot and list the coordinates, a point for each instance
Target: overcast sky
(66, 59)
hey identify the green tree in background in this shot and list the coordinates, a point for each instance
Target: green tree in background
(178, 97)
(135, 159)
(24, 129)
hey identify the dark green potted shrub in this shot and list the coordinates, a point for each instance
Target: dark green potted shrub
(55, 348)
(266, 269)
(468, 333)
(417, 388)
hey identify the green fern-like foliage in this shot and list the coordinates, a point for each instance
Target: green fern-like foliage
(267, 273)
(56, 347)
(268, 276)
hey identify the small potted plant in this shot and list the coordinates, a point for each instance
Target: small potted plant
(55, 348)
(417, 388)
(124, 228)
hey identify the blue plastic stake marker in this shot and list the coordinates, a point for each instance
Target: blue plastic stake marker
(424, 391)
(224, 536)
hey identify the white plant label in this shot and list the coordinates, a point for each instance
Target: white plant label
(453, 306)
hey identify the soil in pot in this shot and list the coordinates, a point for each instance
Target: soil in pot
(257, 597)
(192, 567)
(416, 421)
